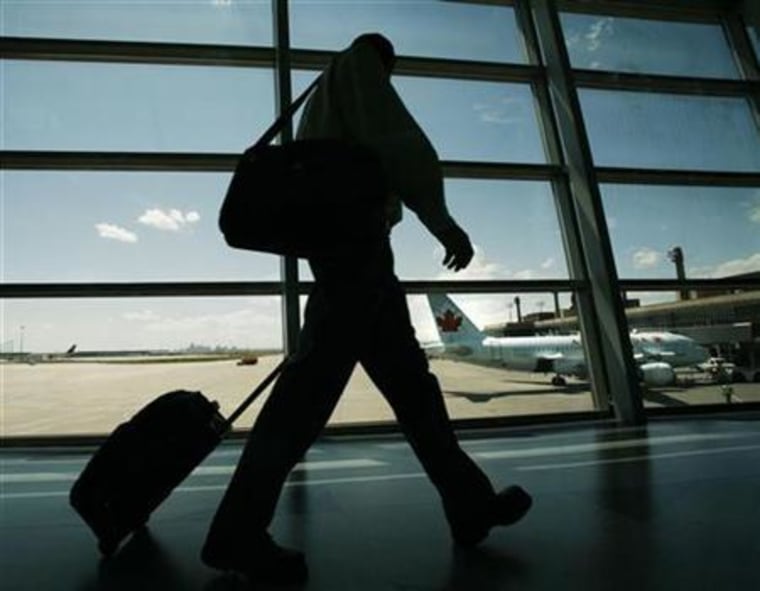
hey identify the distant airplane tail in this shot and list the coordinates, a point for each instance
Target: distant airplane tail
(453, 325)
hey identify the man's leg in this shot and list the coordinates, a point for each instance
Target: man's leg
(292, 417)
(399, 368)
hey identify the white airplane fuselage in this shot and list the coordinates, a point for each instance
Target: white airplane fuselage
(655, 353)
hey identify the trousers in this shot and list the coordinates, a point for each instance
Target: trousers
(356, 313)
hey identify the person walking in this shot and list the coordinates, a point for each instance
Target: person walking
(357, 313)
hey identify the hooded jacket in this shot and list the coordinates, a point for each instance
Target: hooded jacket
(356, 101)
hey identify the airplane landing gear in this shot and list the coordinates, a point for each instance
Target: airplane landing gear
(558, 381)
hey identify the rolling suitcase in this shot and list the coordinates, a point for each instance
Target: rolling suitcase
(145, 458)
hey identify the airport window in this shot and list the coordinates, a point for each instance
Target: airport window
(510, 374)
(107, 107)
(85, 219)
(86, 364)
(468, 120)
(648, 130)
(478, 121)
(75, 226)
(431, 28)
(601, 42)
(220, 22)
(513, 224)
(720, 322)
(717, 230)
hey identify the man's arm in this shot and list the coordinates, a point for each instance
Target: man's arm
(379, 119)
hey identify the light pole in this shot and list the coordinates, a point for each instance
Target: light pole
(21, 340)
(675, 254)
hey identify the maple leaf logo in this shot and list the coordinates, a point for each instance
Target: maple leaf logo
(449, 322)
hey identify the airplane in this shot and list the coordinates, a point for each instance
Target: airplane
(656, 353)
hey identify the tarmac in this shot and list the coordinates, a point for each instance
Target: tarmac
(91, 397)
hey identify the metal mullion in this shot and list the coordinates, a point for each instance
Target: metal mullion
(638, 176)
(305, 59)
(135, 52)
(679, 10)
(501, 171)
(494, 286)
(563, 202)
(291, 312)
(139, 289)
(689, 284)
(116, 161)
(657, 83)
(193, 162)
(602, 312)
(746, 60)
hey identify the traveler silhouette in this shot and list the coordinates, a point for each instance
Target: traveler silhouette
(357, 312)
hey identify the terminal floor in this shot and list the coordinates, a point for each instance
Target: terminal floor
(674, 505)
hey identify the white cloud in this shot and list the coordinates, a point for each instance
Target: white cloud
(728, 268)
(113, 232)
(172, 220)
(548, 263)
(141, 316)
(646, 258)
(754, 215)
(505, 111)
(602, 28)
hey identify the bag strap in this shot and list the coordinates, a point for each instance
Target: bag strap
(287, 114)
(254, 395)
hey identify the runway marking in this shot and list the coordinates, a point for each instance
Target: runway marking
(200, 471)
(604, 445)
(643, 458)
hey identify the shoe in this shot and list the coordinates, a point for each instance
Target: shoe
(511, 505)
(508, 507)
(262, 562)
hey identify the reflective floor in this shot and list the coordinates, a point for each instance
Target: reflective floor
(672, 506)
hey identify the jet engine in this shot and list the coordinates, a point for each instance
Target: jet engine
(657, 373)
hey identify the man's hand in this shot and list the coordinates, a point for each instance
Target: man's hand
(458, 247)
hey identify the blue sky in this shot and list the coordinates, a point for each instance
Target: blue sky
(101, 226)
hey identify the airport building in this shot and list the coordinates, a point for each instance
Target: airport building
(603, 157)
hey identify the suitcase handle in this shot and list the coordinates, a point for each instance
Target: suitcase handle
(253, 395)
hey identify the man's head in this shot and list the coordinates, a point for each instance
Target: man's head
(382, 46)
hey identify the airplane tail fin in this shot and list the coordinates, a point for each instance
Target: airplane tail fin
(452, 324)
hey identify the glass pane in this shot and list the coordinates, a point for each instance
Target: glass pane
(84, 365)
(128, 107)
(178, 21)
(600, 42)
(720, 323)
(513, 225)
(465, 120)
(129, 226)
(717, 230)
(505, 375)
(643, 130)
(477, 121)
(427, 28)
